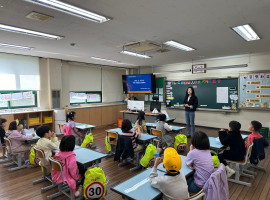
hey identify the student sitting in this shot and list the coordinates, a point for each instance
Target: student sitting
(74, 131)
(141, 121)
(199, 158)
(254, 127)
(173, 184)
(234, 140)
(3, 123)
(17, 136)
(162, 125)
(132, 133)
(71, 170)
(47, 142)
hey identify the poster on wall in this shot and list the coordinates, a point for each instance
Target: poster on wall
(254, 90)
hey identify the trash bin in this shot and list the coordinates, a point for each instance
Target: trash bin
(264, 132)
(120, 120)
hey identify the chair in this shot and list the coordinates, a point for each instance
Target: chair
(46, 167)
(199, 196)
(3, 152)
(113, 140)
(63, 187)
(240, 169)
(156, 132)
(15, 157)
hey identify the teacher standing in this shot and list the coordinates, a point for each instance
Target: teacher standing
(190, 103)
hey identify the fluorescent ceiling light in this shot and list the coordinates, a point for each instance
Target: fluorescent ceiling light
(246, 32)
(103, 59)
(135, 54)
(29, 32)
(178, 45)
(70, 9)
(15, 46)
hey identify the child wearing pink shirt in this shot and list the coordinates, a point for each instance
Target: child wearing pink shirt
(254, 127)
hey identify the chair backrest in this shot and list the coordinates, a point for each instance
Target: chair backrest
(40, 154)
(156, 132)
(8, 144)
(248, 153)
(113, 137)
(199, 196)
(57, 166)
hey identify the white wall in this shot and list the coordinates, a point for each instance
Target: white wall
(211, 118)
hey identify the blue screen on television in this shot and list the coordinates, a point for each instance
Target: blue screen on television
(139, 83)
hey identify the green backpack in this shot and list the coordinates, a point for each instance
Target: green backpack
(148, 155)
(32, 157)
(94, 185)
(180, 142)
(216, 161)
(107, 143)
(87, 140)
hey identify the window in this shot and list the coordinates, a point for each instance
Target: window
(18, 99)
(77, 97)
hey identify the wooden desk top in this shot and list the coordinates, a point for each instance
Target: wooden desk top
(146, 112)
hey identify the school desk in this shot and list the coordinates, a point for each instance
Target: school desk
(145, 138)
(174, 128)
(138, 187)
(217, 146)
(83, 127)
(32, 140)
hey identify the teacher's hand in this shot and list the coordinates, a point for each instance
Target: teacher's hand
(186, 105)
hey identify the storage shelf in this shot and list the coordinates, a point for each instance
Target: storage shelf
(34, 124)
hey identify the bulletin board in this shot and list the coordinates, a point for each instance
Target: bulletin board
(255, 90)
(160, 91)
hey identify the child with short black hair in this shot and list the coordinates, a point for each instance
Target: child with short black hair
(71, 170)
(199, 158)
(141, 121)
(173, 183)
(3, 123)
(17, 136)
(71, 116)
(47, 142)
(254, 127)
(133, 134)
(234, 140)
(162, 125)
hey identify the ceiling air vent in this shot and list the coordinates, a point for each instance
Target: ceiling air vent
(38, 17)
(141, 47)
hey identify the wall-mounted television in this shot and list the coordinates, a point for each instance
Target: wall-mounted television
(139, 83)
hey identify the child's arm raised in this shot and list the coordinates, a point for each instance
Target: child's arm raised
(154, 180)
(223, 137)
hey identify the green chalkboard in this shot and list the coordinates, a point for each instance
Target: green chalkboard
(211, 93)
(160, 91)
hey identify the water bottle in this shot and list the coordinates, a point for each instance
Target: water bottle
(156, 155)
(156, 120)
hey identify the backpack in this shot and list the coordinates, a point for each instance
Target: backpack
(88, 139)
(32, 157)
(94, 186)
(67, 130)
(180, 142)
(148, 155)
(107, 143)
(214, 156)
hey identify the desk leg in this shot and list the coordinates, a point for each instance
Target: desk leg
(97, 163)
(138, 165)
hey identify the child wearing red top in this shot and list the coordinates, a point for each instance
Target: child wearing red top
(254, 127)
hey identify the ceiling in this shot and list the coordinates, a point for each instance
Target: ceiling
(201, 24)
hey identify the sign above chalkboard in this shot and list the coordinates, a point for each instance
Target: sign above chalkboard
(198, 68)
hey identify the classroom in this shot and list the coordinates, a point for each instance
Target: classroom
(134, 100)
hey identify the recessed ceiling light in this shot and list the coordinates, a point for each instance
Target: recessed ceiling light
(135, 54)
(103, 59)
(178, 46)
(1, 6)
(15, 46)
(70, 9)
(246, 32)
(29, 32)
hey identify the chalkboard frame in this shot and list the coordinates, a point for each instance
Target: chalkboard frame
(208, 78)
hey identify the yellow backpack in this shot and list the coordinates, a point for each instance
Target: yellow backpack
(107, 143)
(180, 142)
(32, 157)
(94, 185)
(87, 140)
(148, 155)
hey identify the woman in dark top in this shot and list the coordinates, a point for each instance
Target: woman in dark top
(190, 103)
(234, 140)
